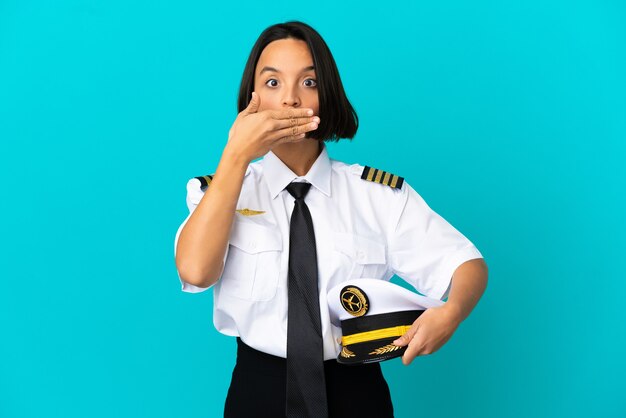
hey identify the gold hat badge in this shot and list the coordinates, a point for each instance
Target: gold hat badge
(354, 301)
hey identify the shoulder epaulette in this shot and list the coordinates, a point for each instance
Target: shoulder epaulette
(205, 180)
(382, 177)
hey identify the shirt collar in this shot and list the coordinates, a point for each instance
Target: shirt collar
(278, 175)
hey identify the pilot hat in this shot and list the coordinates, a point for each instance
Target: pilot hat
(372, 313)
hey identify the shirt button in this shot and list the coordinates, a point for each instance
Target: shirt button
(252, 244)
(360, 254)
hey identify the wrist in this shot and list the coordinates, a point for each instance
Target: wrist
(454, 311)
(233, 157)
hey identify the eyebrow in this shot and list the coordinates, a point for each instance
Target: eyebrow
(276, 70)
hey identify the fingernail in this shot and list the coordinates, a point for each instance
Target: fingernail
(310, 112)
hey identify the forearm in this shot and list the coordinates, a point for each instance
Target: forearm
(203, 240)
(469, 282)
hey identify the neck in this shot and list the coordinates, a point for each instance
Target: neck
(299, 156)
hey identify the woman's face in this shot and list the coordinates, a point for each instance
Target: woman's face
(284, 76)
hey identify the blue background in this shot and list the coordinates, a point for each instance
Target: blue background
(508, 117)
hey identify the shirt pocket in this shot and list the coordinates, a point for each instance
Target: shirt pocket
(252, 267)
(366, 257)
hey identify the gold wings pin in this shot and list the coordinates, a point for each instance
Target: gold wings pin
(250, 212)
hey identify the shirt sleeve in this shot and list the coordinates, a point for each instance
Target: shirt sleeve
(424, 249)
(194, 195)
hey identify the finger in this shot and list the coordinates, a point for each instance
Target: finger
(290, 138)
(293, 130)
(253, 106)
(415, 345)
(406, 338)
(290, 113)
(412, 351)
(291, 122)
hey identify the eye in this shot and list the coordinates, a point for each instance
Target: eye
(271, 79)
(312, 80)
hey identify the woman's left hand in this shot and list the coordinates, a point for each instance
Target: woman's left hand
(430, 331)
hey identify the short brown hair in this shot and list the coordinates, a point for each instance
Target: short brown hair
(337, 116)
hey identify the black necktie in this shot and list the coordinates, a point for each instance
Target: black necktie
(306, 385)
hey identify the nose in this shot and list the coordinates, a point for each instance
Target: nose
(291, 97)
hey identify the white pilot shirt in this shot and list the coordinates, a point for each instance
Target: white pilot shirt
(363, 229)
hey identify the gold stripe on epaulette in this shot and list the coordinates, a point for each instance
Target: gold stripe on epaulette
(382, 177)
(386, 178)
(205, 180)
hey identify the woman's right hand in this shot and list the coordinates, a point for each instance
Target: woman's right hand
(254, 133)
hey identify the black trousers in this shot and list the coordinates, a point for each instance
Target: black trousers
(258, 385)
